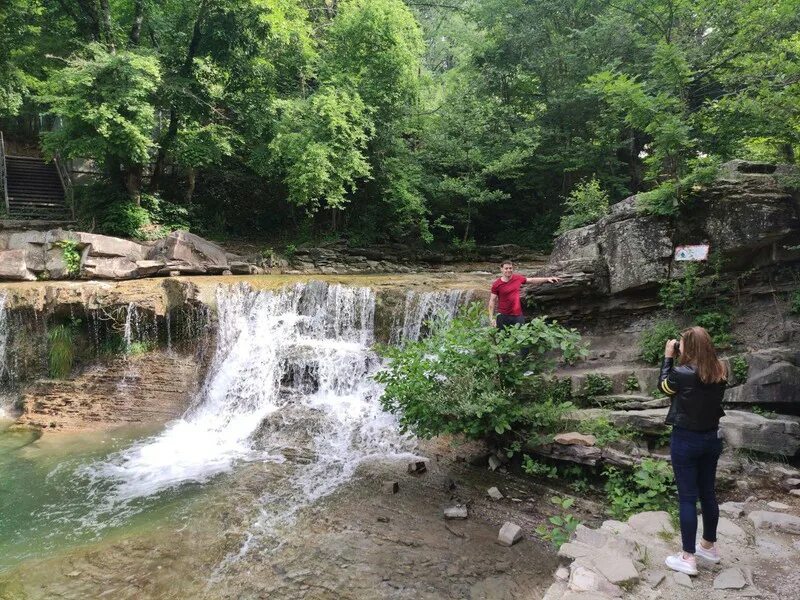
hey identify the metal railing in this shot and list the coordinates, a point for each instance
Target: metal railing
(66, 182)
(3, 178)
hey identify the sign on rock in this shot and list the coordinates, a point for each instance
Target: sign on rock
(693, 253)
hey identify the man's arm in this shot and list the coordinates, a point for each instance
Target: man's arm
(492, 305)
(538, 280)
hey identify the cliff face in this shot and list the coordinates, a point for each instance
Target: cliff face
(749, 219)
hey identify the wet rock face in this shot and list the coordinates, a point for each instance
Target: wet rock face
(618, 263)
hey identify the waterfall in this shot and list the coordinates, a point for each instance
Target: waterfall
(421, 307)
(301, 356)
(5, 368)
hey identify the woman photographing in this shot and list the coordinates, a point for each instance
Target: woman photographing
(696, 387)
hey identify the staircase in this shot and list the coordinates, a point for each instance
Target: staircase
(35, 190)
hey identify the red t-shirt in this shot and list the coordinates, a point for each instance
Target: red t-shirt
(508, 302)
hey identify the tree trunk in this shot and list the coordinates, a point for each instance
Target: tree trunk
(107, 34)
(191, 176)
(138, 19)
(172, 130)
(133, 183)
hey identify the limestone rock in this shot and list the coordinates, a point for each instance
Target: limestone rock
(646, 421)
(730, 579)
(790, 483)
(732, 509)
(683, 580)
(619, 570)
(510, 534)
(14, 266)
(417, 466)
(98, 267)
(728, 528)
(390, 487)
(456, 512)
(104, 245)
(583, 579)
(494, 462)
(779, 383)
(494, 493)
(192, 249)
(654, 579)
(576, 438)
(762, 519)
(778, 435)
(638, 252)
(778, 505)
(652, 522)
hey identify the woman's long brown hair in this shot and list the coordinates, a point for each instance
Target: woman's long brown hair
(698, 350)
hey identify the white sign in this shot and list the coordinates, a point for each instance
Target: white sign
(694, 253)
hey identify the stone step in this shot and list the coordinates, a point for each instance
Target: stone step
(646, 377)
(629, 402)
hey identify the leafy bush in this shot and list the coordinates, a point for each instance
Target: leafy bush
(120, 217)
(632, 383)
(563, 525)
(466, 377)
(650, 486)
(61, 350)
(596, 385)
(71, 256)
(586, 204)
(652, 341)
(718, 325)
(604, 431)
(681, 292)
(794, 302)
(535, 468)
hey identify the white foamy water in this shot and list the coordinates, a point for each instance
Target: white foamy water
(421, 307)
(302, 354)
(5, 368)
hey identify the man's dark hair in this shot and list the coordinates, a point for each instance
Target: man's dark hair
(506, 262)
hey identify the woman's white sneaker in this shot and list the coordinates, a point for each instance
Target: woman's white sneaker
(677, 562)
(710, 554)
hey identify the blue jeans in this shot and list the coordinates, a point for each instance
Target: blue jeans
(694, 462)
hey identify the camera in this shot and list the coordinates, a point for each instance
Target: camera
(676, 346)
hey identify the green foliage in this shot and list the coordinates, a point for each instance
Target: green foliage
(605, 432)
(467, 378)
(596, 385)
(762, 412)
(536, 468)
(60, 350)
(71, 256)
(652, 341)
(560, 527)
(632, 383)
(585, 204)
(137, 348)
(794, 302)
(681, 293)
(718, 325)
(106, 102)
(739, 368)
(650, 486)
(125, 219)
(289, 250)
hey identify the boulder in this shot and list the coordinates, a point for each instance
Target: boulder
(619, 570)
(647, 421)
(390, 487)
(730, 579)
(14, 266)
(763, 519)
(778, 435)
(107, 246)
(573, 437)
(510, 534)
(576, 244)
(98, 267)
(638, 253)
(192, 249)
(777, 383)
(652, 522)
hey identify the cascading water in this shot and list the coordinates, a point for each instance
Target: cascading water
(420, 307)
(5, 368)
(300, 356)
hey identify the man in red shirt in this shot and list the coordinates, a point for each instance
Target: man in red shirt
(505, 296)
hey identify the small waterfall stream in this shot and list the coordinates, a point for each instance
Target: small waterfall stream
(5, 368)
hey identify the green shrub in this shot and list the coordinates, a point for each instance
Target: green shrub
(71, 256)
(535, 468)
(794, 302)
(125, 219)
(560, 527)
(650, 486)
(739, 368)
(586, 204)
(466, 378)
(718, 325)
(137, 348)
(61, 350)
(680, 293)
(652, 341)
(604, 431)
(632, 383)
(596, 385)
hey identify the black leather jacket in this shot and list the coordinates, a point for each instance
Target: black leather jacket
(696, 406)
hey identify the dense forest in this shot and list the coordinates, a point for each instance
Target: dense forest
(447, 121)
